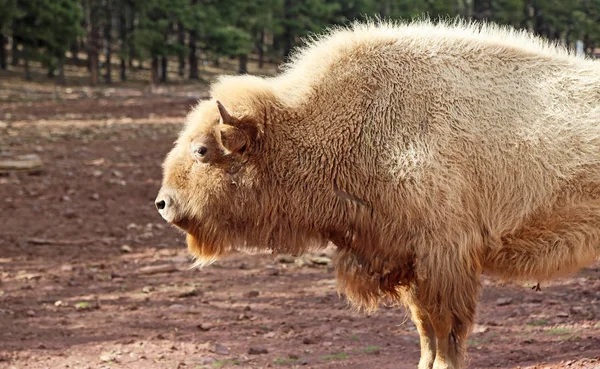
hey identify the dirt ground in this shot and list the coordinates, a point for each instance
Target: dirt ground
(91, 277)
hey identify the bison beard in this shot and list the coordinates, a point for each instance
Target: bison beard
(428, 154)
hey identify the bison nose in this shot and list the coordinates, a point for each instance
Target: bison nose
(165, 206)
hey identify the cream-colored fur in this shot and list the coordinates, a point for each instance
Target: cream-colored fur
(427, 153)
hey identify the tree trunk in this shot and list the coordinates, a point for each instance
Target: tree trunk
(465, 8)
(61, 80)
(261, 48)
(385, 8)
(75, 54)
(123, 71)
(588, 45)
(123, 41)
(193, 57)
(3, 56)
(181, 39)
(276, 46)
(131, 34)
(15, 52)
(26, 60)
(482, 9)
(529, 15)
(288, 33)
(243, 69)
(108, 38)
(93, 39)
(154, 71)
(164, 69)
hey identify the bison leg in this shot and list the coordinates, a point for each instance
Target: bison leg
(426, 333)
(452, 326)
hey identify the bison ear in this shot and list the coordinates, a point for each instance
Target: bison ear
(233, 138)
(236, 133)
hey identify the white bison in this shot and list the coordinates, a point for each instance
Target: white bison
(428, 154)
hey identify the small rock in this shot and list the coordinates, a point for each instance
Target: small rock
(257, 351)
(117, 173)
(190, 293)
(480, 329)
(70, 214)
(179, 259)
(107, 356)
(95, 196)
(287, 259)
(156, 269)
(562, 314)
(321, 260)
(252, 294)
(219, 349)
(503, 301)
(97, 173)
(126, 249)
(577, 310)
(205, 326)
(30, 313)
(176, 306)
(66, 268)
(3, 124)
(309, 341)
(203, 360)
(59, 303)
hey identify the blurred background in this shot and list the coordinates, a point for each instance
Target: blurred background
(92, 96)
(116, 40)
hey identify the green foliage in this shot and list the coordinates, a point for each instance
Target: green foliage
(156, 19)
(46, 28)
(8, 12)
(269, 28)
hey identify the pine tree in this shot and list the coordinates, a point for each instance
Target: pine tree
(8, 13)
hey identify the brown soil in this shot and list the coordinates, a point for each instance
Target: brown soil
(91, 277)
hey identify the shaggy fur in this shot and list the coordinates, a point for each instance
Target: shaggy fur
(427, 154)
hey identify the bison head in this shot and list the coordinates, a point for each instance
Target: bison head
(207, 180)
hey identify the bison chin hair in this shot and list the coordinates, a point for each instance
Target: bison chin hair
(208, 247)
(205, 253)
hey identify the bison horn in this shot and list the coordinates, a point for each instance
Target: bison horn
(225, 116)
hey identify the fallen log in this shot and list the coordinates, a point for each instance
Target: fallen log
(23, 163)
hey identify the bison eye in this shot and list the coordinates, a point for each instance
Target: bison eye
(200, 152)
